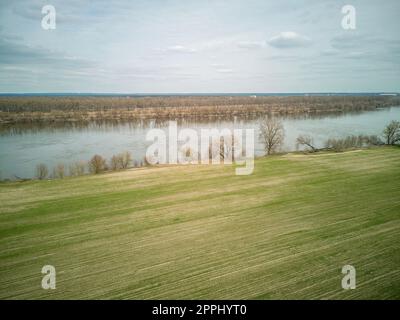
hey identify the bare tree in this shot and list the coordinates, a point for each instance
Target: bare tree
(392, 133)
(115, 163)
(41, 171)
(187, 155)
(120, 161)
(97, 164)
(126, 159)
(307, 141)
(272, 134)
(230, 148)
(81, 167)
(372, 140)
(77, 168)
(72, 170)
(214, 149)
(351, 142)
(59, 171)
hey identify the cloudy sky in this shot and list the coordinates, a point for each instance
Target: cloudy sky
(178, 46)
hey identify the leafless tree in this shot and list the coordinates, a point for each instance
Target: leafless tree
(345, 143)
(73, 109)
(115, 163)
(392, 133)
(120, 161)
(187, 155)
(59, 171)
(77, 168)
(126, 159)
(81, 167)
(230, 147)
(72, 170)
(372, 140)
(97, 164)
(272, 134)
(41, 171)
(307, 141)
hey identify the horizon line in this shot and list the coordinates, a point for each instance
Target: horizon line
(203, 93)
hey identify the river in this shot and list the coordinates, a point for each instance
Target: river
(22, 148)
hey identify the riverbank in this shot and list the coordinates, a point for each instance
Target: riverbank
(201, 232)
(50, 110)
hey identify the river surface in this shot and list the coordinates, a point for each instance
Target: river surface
(22, 148)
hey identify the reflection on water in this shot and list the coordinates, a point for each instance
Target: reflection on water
(22, 147)
(50, 127)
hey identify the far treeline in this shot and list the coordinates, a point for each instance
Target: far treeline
(72, 109)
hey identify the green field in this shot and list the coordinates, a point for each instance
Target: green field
(200, 232)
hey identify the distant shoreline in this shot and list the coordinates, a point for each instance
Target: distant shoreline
(205, 94)
(83, 109)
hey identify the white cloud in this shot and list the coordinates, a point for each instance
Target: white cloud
(289, 39)
(221, 68)
(181, 49)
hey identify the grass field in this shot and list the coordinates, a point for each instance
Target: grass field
(200, 232)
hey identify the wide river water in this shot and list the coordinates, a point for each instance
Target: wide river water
(22, 148)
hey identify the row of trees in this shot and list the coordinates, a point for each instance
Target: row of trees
(44, 110)
(97, 164)
(97, 103)
(272, 134)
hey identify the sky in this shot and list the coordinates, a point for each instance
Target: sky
(192, 46)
